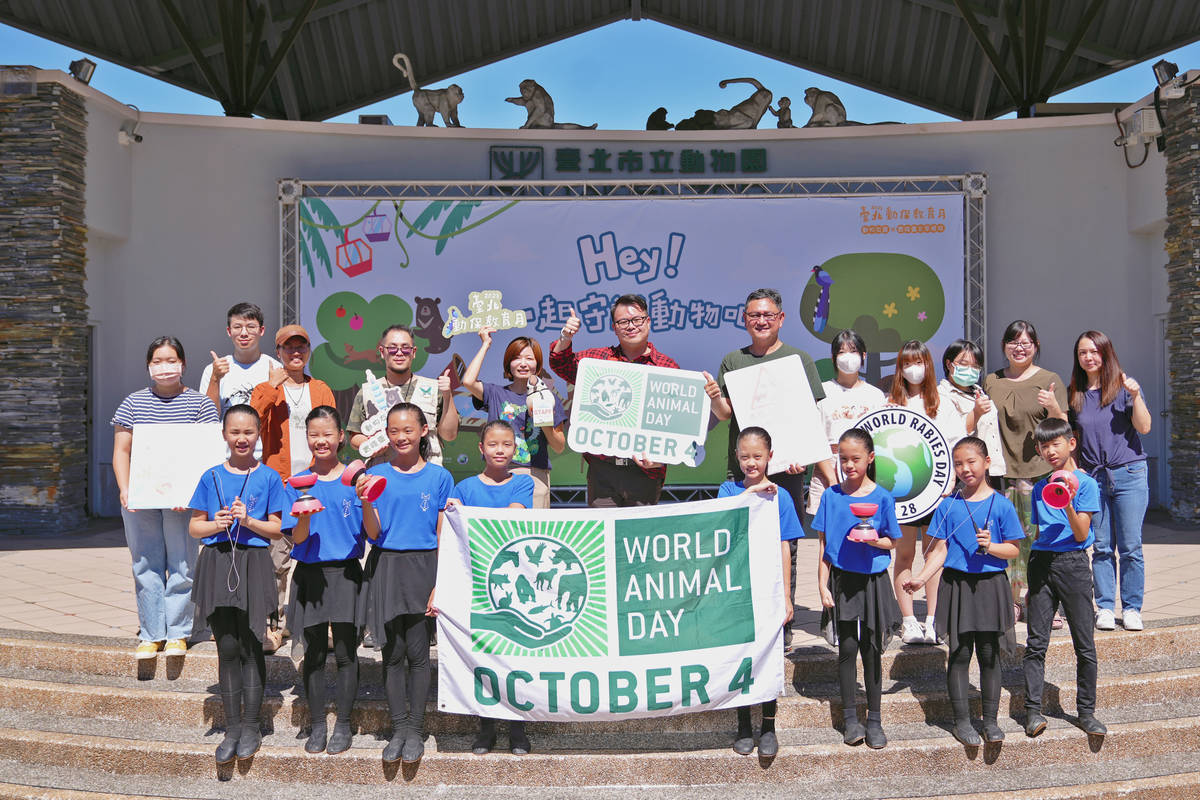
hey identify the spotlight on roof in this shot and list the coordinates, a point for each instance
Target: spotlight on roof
(1165, 71)
(82, 69)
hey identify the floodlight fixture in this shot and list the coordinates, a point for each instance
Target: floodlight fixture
(82, 69)
(1165, 72)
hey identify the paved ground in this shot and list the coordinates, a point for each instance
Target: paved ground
(81, 583)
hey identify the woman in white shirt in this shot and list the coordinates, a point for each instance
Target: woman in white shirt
(847, 399)
(962, 364)
(915, 386)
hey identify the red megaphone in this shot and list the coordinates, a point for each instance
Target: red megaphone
(305, 504)
(1059, 490)
(375, 484)
(863, 531)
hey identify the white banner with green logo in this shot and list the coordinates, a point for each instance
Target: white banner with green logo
(614, 614)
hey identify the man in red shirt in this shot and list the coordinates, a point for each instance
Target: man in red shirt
(617, 481)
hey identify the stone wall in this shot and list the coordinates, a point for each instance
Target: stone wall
(43, 312)
(1183, 318)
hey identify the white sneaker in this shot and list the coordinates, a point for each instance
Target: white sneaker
(913, 632)
(1131, 619)
(931, 636)
(1106, 620)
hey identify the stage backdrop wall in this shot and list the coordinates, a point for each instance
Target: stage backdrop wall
(890, 267)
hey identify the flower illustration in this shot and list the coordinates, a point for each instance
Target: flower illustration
(913, 293)
(922, 316)
(890, 310)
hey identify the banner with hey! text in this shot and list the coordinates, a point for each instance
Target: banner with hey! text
(581, 614)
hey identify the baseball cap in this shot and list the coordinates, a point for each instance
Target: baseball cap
(288, 331)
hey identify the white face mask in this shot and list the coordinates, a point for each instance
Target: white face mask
(849, 363)
(166, 373)
(914, 373)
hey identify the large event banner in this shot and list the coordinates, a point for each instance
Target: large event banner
(614, 614)
(891, 267)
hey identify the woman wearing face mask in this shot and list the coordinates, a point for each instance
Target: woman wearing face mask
(915, 386)
(847, 398)
(962, 364)
(163, 552)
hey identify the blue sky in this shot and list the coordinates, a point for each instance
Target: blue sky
(644, 65)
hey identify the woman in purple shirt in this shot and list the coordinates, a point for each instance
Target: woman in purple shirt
(1108, 410)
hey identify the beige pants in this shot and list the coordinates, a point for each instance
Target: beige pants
(541, 484)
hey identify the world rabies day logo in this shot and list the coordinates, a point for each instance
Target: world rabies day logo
(912, 459)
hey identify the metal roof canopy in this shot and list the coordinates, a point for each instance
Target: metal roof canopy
(315, 59)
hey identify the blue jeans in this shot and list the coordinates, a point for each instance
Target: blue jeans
(1124, 495)
(164, 556)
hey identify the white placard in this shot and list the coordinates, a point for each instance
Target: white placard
(167, 460)
(775, 395)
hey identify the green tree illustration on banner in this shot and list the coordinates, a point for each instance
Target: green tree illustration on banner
(351, 326)
(455, 219)
(311, 245)
(888, 298)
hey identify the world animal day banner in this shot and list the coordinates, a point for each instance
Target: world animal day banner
(889, 267)
(589, 615)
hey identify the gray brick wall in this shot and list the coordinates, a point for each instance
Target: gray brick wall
(43, 312)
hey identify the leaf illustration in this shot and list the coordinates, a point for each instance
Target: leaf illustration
(312, 233)
(306, 258)
(430, 214)
(454, 220)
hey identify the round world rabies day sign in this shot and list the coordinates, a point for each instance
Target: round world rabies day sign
(912, 459)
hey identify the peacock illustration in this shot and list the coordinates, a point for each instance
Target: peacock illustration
(821, 312)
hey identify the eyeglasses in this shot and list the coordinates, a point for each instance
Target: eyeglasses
(765, 316)
(403, 350)
(248, 328)
(631, 323)
(1020, 346)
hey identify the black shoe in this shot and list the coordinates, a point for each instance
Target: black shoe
(768, 744)
(855, 733)
(414, 748)
(340, 740)
(992, 732)
(316, 740)
(744, 746)
(227, 749)
(965, 733)
(485, 741)
(518, 741)
(1035, 723)
(1091, 725)
(391, 751)
(249, 741)
(875, 737)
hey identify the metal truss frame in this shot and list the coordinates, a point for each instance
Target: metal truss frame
(972, 187)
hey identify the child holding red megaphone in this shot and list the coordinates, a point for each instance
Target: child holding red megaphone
(1060, 488)
(326, 531)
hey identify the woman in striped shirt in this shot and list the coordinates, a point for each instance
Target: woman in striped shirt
(163, 553)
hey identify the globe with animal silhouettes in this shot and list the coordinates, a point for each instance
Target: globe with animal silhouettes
(541, 580)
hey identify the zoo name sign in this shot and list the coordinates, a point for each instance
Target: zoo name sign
(582, 614)
(625, 410)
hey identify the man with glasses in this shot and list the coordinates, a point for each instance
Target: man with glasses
(617, 481)
(231, 379)
(397, 349)
(763, 318)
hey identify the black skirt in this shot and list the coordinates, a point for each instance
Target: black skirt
(396, 582)
(975, 602)
(326, 591)
(869, 599)
(234, 576)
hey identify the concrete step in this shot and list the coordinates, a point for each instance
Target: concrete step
(914, 757)
(817, 706)
(88, 655)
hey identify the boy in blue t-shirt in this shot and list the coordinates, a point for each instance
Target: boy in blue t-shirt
(1060, 571)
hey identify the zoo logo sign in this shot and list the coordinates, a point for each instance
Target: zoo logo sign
(538, 588)
(912, 459)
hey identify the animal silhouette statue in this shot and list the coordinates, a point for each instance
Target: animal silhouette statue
(827, 108)
(534, 554)
(572, 589)
(430, 102)
(545, 578)
(525, 592)
(821, 311)
(539, 108)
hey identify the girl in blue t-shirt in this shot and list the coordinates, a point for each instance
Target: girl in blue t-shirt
(853, 581)
(403, 524)
(496, 487)
(236, 510)
(975, 533)
(754, 454)
(327, 580)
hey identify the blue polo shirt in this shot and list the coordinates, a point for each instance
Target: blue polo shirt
(409, 506)
(1054, 529)
(335, 534)
(789, 524)
(474, 492)
(835, 521)
(952, 523)
(261, 490)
